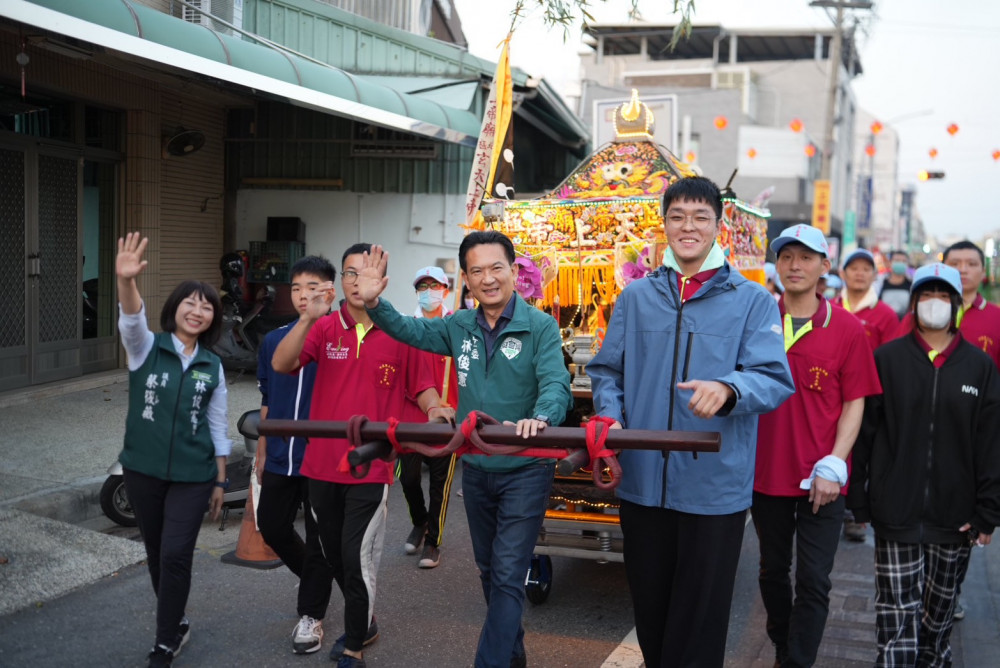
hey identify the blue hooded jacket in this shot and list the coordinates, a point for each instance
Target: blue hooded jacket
(729, 331)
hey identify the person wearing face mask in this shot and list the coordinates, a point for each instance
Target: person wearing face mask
(895, 290)
(431, 285)
(926, 471)
(859, 297)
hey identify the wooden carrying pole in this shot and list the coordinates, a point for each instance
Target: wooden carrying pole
(375, 437)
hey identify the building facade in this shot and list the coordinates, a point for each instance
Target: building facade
(753, 100)
(193, 122)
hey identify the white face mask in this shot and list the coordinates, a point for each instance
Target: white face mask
(934, 313)
(429, 300)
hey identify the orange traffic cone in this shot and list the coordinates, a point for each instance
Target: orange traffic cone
(251, 550)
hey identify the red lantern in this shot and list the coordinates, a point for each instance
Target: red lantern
(870, 150)
(810, 150)
(933, 153)
(721, 122)
(796, 125)
(996, 154)
(690, 157)
(952, 129)
(876, 127)
(752, 153)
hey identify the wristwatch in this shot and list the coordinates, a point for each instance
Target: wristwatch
(222, 485)
(544, 418)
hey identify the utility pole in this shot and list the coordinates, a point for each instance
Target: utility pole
(835, 49)
(823, 184)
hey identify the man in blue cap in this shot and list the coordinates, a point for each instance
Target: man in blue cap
(803, 448)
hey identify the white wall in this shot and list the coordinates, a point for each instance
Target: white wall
(335, 220)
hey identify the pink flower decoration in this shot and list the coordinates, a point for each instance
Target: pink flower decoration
(529, 279)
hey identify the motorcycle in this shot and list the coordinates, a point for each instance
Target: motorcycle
(243, 325)
(114, 498)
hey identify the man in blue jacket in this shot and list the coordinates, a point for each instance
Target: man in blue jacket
(692, 346)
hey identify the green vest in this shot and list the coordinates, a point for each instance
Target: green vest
(166, 432)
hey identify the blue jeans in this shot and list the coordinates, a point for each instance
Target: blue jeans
(505, 513)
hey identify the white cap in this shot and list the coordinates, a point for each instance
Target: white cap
(434, 272)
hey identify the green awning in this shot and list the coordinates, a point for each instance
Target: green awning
(128, 27)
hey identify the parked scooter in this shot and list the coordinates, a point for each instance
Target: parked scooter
(114, 499)
(243, 326)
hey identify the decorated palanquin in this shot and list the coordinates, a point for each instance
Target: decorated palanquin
(602, 228)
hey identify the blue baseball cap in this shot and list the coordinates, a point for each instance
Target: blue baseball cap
(937, 272)
(859, 253)
(833, 281)
(807, 235)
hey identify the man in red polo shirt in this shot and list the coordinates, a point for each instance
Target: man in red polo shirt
(979, 322)
(860, 298)
(359, 371)
(803, 447)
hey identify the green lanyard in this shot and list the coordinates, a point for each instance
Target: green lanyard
(791, 336)
(960, 316)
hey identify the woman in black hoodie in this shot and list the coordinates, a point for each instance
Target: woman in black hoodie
(926, 471)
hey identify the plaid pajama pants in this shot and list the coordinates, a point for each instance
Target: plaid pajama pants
(915, 594)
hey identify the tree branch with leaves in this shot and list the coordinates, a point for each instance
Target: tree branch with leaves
(564, 13)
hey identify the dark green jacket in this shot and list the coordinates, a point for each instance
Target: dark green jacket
(166, 431)
(525, 378)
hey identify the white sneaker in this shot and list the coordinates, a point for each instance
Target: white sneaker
(308, 635)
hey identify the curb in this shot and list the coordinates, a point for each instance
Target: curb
(72, 505)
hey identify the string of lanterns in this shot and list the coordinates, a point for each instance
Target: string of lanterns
(796, 125)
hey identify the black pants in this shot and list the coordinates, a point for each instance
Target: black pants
(280, 497)
(442, 470)
(796, 626)
(347, 548)
(681, 569)
(169, 515)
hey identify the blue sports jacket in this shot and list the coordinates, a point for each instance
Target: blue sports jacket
(729, 331)
(287, 397)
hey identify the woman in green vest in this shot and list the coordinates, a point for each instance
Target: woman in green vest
(176, 443)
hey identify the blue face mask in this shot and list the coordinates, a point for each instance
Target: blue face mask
(430, 300)
(899, 268)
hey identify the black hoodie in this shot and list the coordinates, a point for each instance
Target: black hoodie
(927, 459)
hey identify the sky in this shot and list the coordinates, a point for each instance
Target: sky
(918, 56)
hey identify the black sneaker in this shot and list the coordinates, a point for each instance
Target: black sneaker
(431, 556)
(337, 651)
(183, 635)
(161, 657)
(415, 539)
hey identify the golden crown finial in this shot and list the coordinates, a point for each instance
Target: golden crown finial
(632, 108)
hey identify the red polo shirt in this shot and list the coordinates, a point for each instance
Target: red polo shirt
(938, 358)
(357, 373)
(437, 363)
(831, 364)
(688, 286)
(880, 322)
(980, 326)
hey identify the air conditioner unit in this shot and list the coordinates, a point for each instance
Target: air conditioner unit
(198, 12)
(204, 11)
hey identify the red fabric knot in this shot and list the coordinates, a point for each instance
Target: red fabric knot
(354, 425)
(390, 433)
(600, 457)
